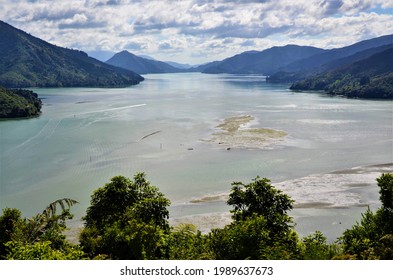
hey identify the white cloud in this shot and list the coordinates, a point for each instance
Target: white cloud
(198, 31)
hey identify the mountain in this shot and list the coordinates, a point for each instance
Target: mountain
(262, 62)
(330, 59)
(179, 65)
(27, 61)
(19, 103)
(141, 65)
(203, 67)
(368, 78)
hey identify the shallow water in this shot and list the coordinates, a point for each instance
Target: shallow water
(85, 136)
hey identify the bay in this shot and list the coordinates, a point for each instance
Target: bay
(85, 136)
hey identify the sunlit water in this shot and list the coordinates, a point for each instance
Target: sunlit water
(85, 136)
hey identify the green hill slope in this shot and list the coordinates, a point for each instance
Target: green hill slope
(26, 61)
(262, 62)
(19, 103)
(368, 78)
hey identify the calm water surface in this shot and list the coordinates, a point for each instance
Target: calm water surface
(85, 136)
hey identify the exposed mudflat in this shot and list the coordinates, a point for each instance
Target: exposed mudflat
(235, 132)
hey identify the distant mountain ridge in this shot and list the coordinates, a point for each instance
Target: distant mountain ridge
(290, 77)
(292, 62)
(335, 57)
(141, 65)
(264, 62)
(27, 61)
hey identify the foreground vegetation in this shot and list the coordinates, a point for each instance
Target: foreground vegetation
(128, 219)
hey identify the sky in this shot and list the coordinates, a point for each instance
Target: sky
(197, 31)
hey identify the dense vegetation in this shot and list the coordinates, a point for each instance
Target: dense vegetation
(291, 63)
(128, 219)
(368, 78)
(334, 58)
(19, 103)
(26, 61)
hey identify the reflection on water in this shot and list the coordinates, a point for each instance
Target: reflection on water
(86, 136)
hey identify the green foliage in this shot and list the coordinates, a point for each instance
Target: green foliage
(315, 247)
(110, 202)
(17, 234)
(19, 103)
(371, 238)
(41, 250)
(11, 228)
(126, 220)
(369, 78)
(130, 238)
(187, 243)
(261, 228)
(251, 238)
(385, 183)
(261, 198)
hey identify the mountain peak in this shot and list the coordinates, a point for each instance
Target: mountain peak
(141, 65)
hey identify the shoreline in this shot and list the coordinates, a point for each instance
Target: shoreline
(357, 190)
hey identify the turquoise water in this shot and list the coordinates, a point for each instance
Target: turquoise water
(85, 136)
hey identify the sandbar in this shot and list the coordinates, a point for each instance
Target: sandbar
(234, 132)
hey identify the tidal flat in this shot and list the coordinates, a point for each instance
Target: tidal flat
(84, 137)
(235, 132)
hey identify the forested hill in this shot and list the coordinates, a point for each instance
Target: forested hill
(141, 65)
(368, 78)
(330, 60)
(26, 61)
(264, 62)
(19, 103)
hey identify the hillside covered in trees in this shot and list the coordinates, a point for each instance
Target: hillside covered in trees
(26, 61)
(128, 219)
(19, 103)
(368, 78)
(264, 62)
(141, 65)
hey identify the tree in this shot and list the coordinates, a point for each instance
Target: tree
(110, 202)
(41, 250)
(261, 198)
(385, 213)
(315, 247)
(372, 237)
(251, 238)
(36, 234)
(49, 226)
(188, 243)
(126, 220)
(11, 228)
(261, 227)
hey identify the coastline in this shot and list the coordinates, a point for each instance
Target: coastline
(330, 202)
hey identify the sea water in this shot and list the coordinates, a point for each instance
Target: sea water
(85, 136)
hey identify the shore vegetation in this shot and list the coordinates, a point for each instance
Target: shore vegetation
(128, 219)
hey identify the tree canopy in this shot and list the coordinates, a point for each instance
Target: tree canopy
(18, 103)
(125, 218)
(128, 219)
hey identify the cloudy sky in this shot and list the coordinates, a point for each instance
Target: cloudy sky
(198, 31)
